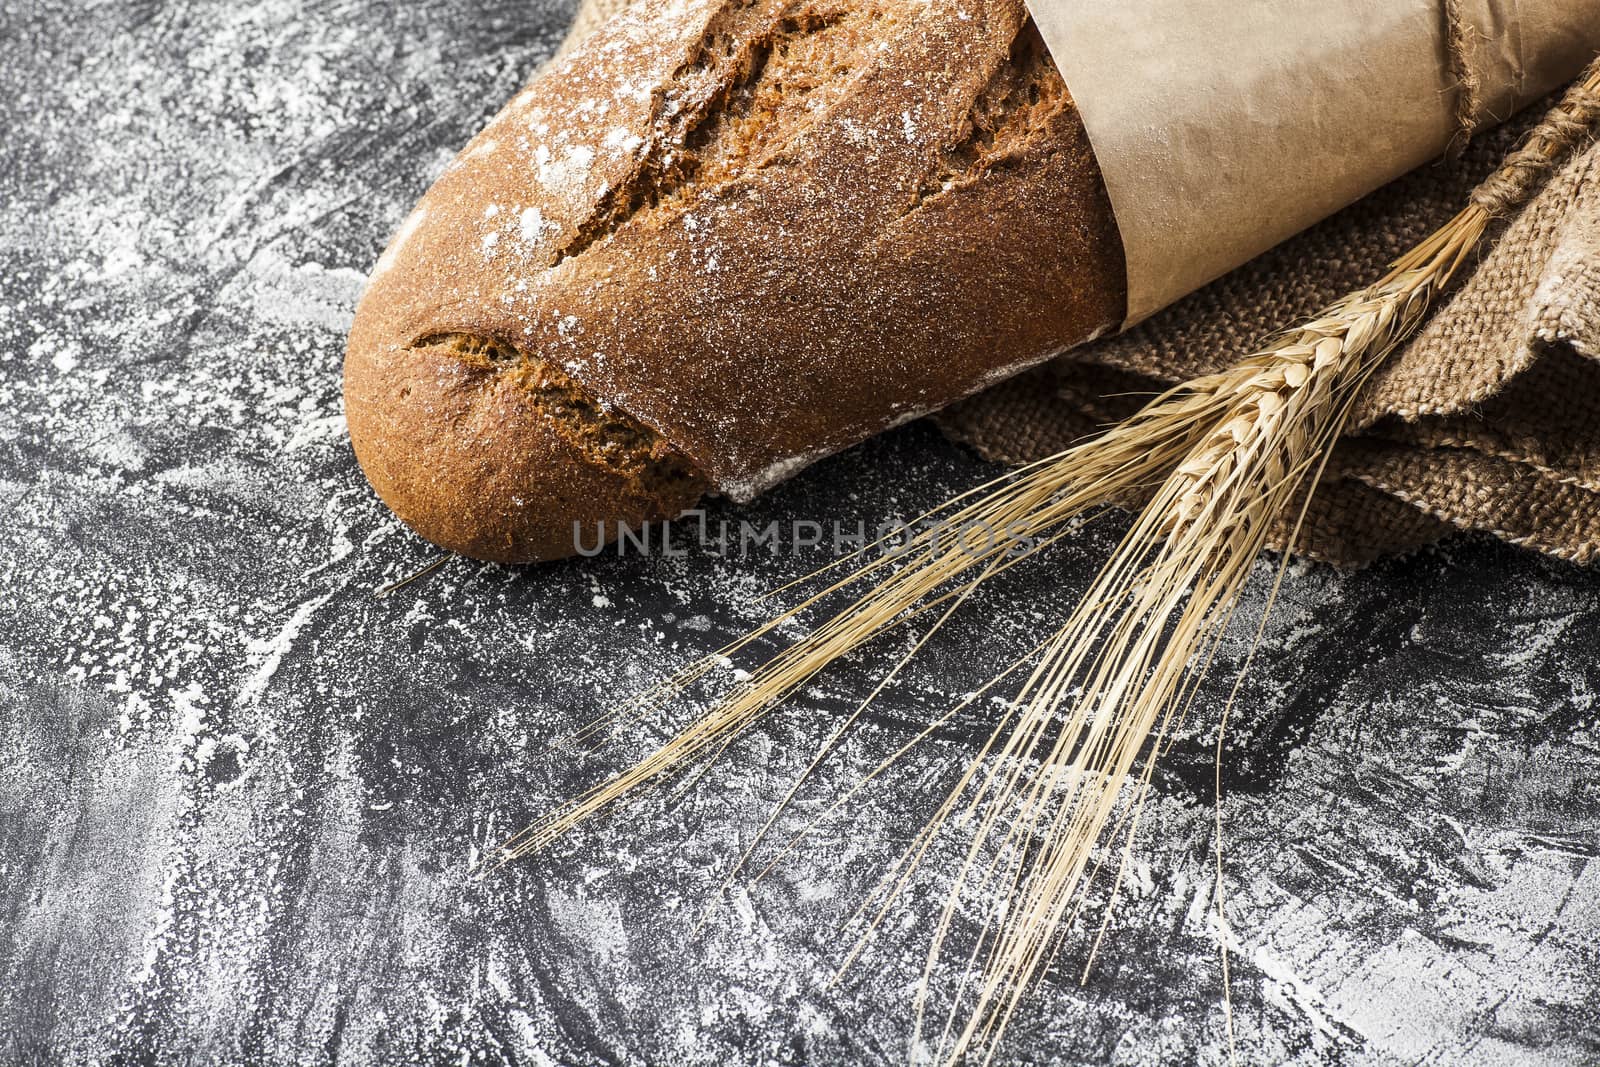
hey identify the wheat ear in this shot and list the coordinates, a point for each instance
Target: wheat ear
(1127, 661)
(1230, 457)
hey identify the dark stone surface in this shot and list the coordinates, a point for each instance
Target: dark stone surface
(239, 795)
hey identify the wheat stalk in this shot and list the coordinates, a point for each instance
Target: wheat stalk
(1222, 461)
(1127, 661)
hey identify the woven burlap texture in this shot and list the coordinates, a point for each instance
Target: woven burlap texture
(1488, 420)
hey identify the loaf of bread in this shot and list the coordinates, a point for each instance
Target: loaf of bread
(722, 239)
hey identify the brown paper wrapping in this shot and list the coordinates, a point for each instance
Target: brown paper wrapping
(1224, 128)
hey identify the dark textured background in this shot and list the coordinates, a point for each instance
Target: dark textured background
(239, 795)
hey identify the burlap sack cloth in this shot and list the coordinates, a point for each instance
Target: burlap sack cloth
(1488, 420)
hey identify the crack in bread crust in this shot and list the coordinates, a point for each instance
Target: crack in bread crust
(1012, 114)
(773, 67)
(607, 438)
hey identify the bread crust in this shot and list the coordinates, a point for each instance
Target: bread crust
(757, 232)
